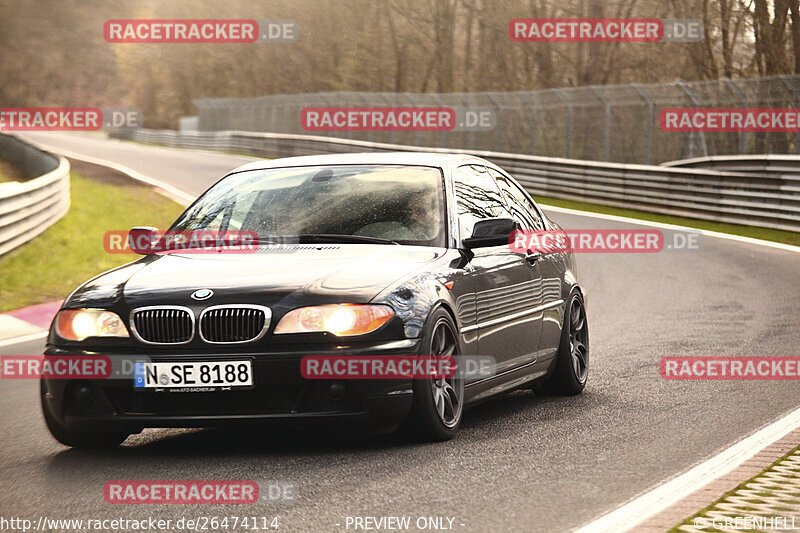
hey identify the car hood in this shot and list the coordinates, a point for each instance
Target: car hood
(302, 275)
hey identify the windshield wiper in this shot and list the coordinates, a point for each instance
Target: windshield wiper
(333, 237)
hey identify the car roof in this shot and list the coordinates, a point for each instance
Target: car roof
(431, 159)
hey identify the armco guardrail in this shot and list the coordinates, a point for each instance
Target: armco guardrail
(784, 167)
(763, 165)
(27, 208)
(767, 200)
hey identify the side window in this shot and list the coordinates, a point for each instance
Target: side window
(523, 210)
(477, 196)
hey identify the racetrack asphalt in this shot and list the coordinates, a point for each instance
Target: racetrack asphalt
(520, 462)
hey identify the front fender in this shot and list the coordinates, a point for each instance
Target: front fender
(414, 297)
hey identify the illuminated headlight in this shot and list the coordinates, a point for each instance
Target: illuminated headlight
(78, 324)
(341, 319)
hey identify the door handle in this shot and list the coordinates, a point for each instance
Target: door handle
(531, 257)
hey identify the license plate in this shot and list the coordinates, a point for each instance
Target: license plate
(194, 375)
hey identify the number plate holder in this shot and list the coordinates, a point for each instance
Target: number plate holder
(194, 376)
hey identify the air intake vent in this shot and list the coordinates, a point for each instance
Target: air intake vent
(229, 324)
(163, 325)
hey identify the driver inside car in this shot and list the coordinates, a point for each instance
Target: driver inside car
(420, 223)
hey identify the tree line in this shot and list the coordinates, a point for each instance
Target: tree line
(52, 53)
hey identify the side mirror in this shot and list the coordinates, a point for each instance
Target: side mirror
(143, 239)
(490, 232)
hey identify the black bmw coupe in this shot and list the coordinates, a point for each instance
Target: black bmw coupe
(374, 255)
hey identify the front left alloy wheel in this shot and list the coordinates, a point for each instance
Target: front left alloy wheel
(572, 359)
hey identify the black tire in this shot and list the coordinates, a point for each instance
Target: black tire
(89, 440)
(571, 370)
(425, 421)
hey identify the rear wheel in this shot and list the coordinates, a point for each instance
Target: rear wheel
(572, 360)
(87, 439)
(438, 403)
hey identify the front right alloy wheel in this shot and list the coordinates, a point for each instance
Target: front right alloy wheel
(572, 360)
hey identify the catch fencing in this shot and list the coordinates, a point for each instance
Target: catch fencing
(599, 123)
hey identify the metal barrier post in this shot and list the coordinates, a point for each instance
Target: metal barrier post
(648, 139)
(785, 79)
(443, 133)
(696, 105)
(606, 125)
(738, 92)
(498, 121)
(532, 139)
(568, 128)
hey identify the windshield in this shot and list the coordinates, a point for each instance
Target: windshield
(370, 203)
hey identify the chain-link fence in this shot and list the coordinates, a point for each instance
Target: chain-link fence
(603, 123)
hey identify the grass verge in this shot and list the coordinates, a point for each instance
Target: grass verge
(786, 237)
(71, 251)
(9, 172)
(744, 485)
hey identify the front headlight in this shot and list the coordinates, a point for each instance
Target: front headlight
(339, 319)
(78, 324)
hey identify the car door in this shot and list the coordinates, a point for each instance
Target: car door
(548, 266)
(507, 288)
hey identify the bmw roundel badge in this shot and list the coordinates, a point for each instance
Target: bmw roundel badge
(202, 294)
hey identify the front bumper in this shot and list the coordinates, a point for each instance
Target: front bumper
(280, 395)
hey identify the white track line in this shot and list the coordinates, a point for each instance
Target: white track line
(636, 511)
(662, 225)
(24, 338)
(663, 496)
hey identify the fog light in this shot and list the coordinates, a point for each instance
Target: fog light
(336, 390)
(83, 395)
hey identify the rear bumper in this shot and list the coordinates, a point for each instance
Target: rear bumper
(280, 396)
